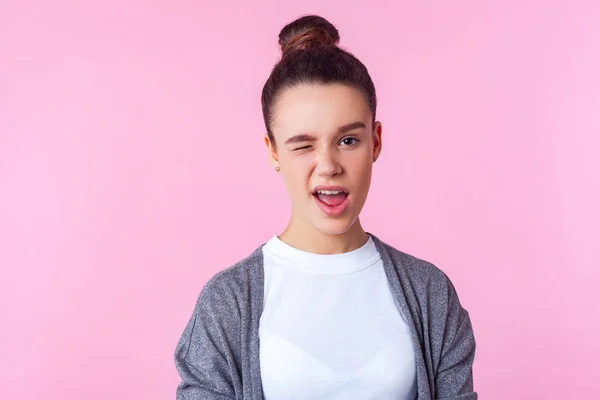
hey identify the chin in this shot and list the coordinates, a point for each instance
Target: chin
(334, 226)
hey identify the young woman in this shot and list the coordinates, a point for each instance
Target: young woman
(325, 310)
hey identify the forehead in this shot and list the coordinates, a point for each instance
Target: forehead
(318, 109)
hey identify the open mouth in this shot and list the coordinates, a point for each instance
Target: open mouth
(332, 201)
(331, 197)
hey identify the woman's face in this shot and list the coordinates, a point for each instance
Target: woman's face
(324, 139)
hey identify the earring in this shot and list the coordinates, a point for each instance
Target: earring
(277, 168)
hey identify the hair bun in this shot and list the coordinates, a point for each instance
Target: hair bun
(309, 31)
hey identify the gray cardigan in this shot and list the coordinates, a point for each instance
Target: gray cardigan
(217, 355)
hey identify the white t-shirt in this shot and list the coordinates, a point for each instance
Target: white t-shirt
(331, 328)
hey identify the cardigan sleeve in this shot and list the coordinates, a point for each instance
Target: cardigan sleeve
(205, 356)
(454, 375)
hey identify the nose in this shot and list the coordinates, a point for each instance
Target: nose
(327, 164)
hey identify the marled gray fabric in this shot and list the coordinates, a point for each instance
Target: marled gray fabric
(217, 356)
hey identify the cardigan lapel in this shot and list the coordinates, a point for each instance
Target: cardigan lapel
(394, 269)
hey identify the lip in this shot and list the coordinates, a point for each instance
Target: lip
(332, 211)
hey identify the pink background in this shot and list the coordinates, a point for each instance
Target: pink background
(132, 168)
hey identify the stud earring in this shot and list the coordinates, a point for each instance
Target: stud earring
(277, 168)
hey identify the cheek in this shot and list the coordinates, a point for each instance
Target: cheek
(360, 164)
(297, 179)
(365, 177)
(299, 167)
(361, 176)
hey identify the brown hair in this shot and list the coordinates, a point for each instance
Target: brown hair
(310, 54)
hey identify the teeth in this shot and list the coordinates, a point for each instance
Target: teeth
(329, 191)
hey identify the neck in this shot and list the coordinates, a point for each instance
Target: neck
(307, 238)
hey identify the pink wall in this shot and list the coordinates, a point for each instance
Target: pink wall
(132, 168)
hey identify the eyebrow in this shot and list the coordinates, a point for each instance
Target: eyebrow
(342, 129)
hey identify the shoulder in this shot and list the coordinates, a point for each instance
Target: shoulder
(233, 285)
(428, 281)
(223, 306)
(417, 269)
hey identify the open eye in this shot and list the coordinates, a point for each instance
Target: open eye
(349, 141)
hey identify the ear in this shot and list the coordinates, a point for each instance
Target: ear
(271, 150)
(377, 129)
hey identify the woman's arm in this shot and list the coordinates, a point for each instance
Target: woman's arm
(454, 374)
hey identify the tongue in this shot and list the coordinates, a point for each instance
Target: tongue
(332, 199)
